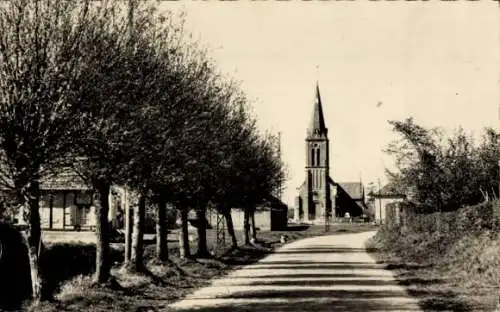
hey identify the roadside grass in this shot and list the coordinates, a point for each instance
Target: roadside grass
(162, 283)
(449, 261)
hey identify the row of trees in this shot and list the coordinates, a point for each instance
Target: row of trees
(444, 171)
(121, 95)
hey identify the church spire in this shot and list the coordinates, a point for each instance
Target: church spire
(317, 125)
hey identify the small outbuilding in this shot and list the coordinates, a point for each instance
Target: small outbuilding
(269, 216)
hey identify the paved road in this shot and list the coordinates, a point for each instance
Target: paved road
(329, 273)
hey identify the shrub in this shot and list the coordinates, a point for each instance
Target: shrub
(15, 280)
(428, 237)
(63, 261)
(433, 166)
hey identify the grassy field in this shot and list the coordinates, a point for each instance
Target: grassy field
(449, 261)
(70, 266)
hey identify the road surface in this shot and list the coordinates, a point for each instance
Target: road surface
(328, 273)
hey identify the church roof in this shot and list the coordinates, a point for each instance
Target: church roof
(353, 189)
(317, 124)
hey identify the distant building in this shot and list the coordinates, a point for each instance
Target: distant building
(66, 203)
(269, 216)
(385, 204)
(350, 197)
(319, 194)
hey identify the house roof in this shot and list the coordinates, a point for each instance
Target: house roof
(64, 180)
(389, 191)
(274, 201)
(401, 196)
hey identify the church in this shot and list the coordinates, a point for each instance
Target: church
(319, 195)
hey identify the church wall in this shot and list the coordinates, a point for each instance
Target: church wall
(345, 203)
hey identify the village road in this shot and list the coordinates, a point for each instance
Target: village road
(328, 273)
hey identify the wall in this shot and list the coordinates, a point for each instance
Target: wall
(262, 219)
(380, 205)
(67, 215)
(279, 219)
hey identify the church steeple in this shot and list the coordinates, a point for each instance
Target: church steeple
(317, 125)
(317, 186)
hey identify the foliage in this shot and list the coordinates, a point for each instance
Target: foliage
(443, 172)
(456, 252)
(122, 95)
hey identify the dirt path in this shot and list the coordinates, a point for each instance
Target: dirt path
(328, 273)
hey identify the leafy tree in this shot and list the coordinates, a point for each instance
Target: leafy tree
(42, 46)
(263, 176)
(115, 99)
(444, 171)
(241, 132)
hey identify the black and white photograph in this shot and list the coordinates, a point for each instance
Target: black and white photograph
(250, 156)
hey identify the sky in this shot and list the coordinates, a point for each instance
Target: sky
(375, 61)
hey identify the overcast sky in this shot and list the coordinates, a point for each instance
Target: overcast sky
(378, 61)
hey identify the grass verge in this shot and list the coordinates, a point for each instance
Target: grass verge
(164, 283)
(449, 261)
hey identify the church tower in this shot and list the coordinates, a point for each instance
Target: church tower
(317, 168)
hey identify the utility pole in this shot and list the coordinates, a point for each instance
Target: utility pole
(380, 199)
(279, 159)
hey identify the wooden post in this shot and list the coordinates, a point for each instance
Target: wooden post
(51, 210)
(64, 210)
(128, 228)
(498, 172)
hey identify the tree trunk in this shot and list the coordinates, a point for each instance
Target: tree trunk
(101, 204)
(184, 249)
(254, 228)
(230, 226)
(136, 259)
(128, 230)
(202, 232)
(33, 240)
(161, 231)
(246, 225)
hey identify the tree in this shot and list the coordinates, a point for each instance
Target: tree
(114, 98)
(42, 44)
(200, 151)
(179, 111)
(435, 165)
(241, 133)
(263, 177)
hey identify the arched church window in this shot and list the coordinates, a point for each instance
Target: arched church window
(317, 157)
(313, 151)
